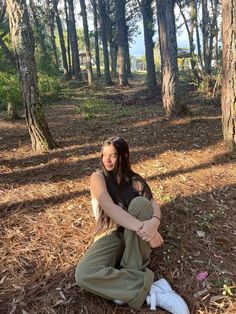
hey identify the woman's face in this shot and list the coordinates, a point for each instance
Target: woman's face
(109, 157)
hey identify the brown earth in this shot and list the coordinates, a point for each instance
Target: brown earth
(45, 215)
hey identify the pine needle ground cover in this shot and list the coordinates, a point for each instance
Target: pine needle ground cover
(46, 223)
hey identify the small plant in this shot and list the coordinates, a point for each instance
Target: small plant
(227, 290)
(9, 90)
(49, 86)
(159, 193)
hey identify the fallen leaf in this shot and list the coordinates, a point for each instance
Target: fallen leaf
(202, 275)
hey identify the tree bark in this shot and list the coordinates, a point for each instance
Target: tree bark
(127, 55)
(228, 98)
(23, 45)
(68, 36)
(205, 37)
(102, 15)
(62, 41)
(110, 33)
(87, 42)
(199, 49)
(74, 42)
(7, 52)
(191, 42)
(147, 14)
(95, 23)
(12, 111)
(51, 19)
(40, 35)
(121, 41)
(168, 49)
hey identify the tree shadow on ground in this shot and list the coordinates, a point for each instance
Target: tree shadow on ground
(222, 159)
(37, 205)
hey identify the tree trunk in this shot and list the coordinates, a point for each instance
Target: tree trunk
(228, 98)
(95, 23)
(7, 52)
(121, 41)
(102, 14)
(168, 49)
(9, 55)
(147, 14)
(214, 26)
(191, 42)
(127, 55)
(51, 22)
(74, 42)
(40, 35)
(12, 112)
(197, 34)
(62, 41)
(205, 37)
(110, 32)
(68, 35)
(23, 45)
(87, 42)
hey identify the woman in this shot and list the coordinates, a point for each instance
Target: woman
(128, 218)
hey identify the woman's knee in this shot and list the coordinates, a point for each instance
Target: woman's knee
(81, 272)
(141, 208)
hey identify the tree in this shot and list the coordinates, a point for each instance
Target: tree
(102, 19)
(205, 37)
(147, 14)
(121, 34)
(23, 46)
(110, 33)
(68, 35)
(190, 32)
(95, 23)
(51, 26)
(228, 98)
(87, 42)
(168, 49)
(61, 38)
(74, 41)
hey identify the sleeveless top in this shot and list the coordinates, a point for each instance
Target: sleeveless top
(123, 193)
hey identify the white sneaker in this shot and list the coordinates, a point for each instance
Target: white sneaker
(118, 302)
(162, 295)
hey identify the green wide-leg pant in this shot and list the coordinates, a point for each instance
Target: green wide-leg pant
(115, 266)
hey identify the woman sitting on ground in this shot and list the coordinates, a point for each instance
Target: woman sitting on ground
(128, 218)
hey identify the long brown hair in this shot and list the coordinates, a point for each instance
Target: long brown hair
(126, 174)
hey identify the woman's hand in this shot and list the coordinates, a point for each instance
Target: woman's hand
(149, 229)
(156, 241)
(149, 232)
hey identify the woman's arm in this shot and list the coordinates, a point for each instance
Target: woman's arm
(115, 212)
(149, 231)
(156, 212)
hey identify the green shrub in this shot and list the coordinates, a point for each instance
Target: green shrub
(49, 86)
(9, 90)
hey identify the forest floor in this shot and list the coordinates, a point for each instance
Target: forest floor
(46, 223)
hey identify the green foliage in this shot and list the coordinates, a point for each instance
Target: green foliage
(49, 89)
(91, 109)
(45, 63)
(9, 90)
(49, 86)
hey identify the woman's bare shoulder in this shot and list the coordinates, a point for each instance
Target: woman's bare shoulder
(97, 174)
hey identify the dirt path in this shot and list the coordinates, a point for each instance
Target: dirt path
(45, 216)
